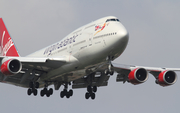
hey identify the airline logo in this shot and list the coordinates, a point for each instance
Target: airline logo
(4, 48)
(59, 45)
(7, 47)
(99, 28)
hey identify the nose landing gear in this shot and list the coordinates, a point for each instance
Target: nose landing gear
(110, 69)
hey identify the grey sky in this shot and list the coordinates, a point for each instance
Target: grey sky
(153, 26)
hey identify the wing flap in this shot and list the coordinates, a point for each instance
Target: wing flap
(97, 81)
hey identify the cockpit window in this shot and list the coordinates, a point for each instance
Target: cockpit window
(112, 20)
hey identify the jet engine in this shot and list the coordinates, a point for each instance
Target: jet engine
(166, 78)
(138, 76)
(11, 67)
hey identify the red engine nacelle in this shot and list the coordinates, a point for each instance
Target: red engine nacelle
(11, 67)
(166, 78)
(137, 76)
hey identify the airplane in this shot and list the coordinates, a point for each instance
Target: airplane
(82, 59)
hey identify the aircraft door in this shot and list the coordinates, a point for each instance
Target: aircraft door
(70, 49)
(90, 39)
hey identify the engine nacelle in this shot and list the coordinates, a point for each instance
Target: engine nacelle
(138, 76)
(166, 78)
(11, 67)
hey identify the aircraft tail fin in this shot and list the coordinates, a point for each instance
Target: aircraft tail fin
(7, 47)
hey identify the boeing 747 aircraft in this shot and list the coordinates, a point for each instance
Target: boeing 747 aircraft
(82, 59)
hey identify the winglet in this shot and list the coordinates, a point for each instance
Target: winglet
(7, 47)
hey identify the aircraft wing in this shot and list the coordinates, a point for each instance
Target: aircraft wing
(129, 73)
(40, 65)
(163, 76)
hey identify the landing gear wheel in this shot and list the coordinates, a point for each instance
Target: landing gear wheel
(62, 94)
(35, 92)
(71, 92)
(51, 91)
(29, 91)
(67, 95)
(47, 94)
(87, 95)
(42, 93)
(94, 88)
(93, 96)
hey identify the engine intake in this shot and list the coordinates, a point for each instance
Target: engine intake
(138, 76)
(11, 67)
(166, 78)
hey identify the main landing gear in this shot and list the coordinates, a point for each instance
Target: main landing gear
(91, 88)
(33, 88)
(91, 92)
(65, 92)
(46, 92)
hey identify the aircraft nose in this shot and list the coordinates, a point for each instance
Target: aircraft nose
(123, 34)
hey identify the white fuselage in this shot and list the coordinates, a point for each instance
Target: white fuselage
(86, 48)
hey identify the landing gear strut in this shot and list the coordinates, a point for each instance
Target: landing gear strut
(109, 70)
